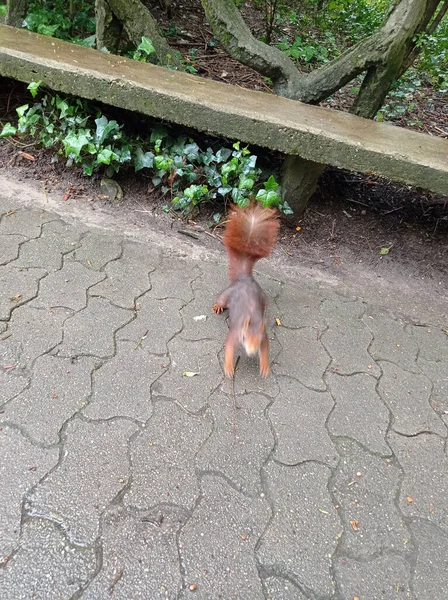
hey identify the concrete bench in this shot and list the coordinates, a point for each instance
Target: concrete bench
(316, 134)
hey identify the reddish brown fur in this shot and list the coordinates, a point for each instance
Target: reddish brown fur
(250, 234)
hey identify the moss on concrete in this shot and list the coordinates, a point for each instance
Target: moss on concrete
(316, 134)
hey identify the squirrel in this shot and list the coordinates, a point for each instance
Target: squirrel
(250, 235)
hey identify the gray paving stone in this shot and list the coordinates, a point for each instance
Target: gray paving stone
(407, 396)
(91, 330)
(190, 357)
(217, 544)
(347, 339)
(24, 221)
(47, 251)
(17, 286)
(359, 412)
(128, 277)
(348, 349)
(98, 249)
(366, 486)
(34, 332)
(93, 470)
(299, 308)
(59, 388)
(386, 577)
(302, 536)
(432, 343)
(430, 580)
(339, 310)
(206, 289)
(7, 204)
(303, 356)
(173, 278)
(298, 416)
(46, 566)
(122, 386)
(9, 247)
(424, 490)
(392, 342)
(67, 287)
(437, 372)
(241, 440)
(163, 455)
(13, 378)
(282, 589)
(141, 555)
(22, 465)
(159, 320)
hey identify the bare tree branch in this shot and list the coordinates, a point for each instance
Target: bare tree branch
(430, 30)
(389, 44)
(233, 33)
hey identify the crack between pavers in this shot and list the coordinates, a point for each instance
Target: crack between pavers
(267, 572)
(28, 518)
(25, 302)
(180, 548)
(419, 433)
(113, 334)
(19, 245)
(334, 437)
(308, 387)
(29, 367)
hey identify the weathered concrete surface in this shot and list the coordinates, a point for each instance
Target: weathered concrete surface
(313, 133)
(122, 478)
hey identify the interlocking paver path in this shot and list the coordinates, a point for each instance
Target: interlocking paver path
(120, 477)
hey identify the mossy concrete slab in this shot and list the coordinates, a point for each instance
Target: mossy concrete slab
(311, 132)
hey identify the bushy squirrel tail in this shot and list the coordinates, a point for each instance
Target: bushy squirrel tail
(250, 234)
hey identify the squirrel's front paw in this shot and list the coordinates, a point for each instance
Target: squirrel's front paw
(217, 309)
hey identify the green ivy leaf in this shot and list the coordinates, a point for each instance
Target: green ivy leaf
(267, 198)
(246, 183)
(104, 128)
(34, 88)
(271, 184)
(191, 151)
(105, 156)
(8, 130)
(146, 46)
(74, 143)
(21, 110)
(223, 154)
(143, 160)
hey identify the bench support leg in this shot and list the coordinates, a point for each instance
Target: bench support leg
(16, 12)
(299, 180)
(108, 28)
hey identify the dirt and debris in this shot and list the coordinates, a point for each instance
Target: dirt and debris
(351, 217)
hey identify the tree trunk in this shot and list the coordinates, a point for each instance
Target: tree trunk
(138, 22)
(108, 28)
(16, 12)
